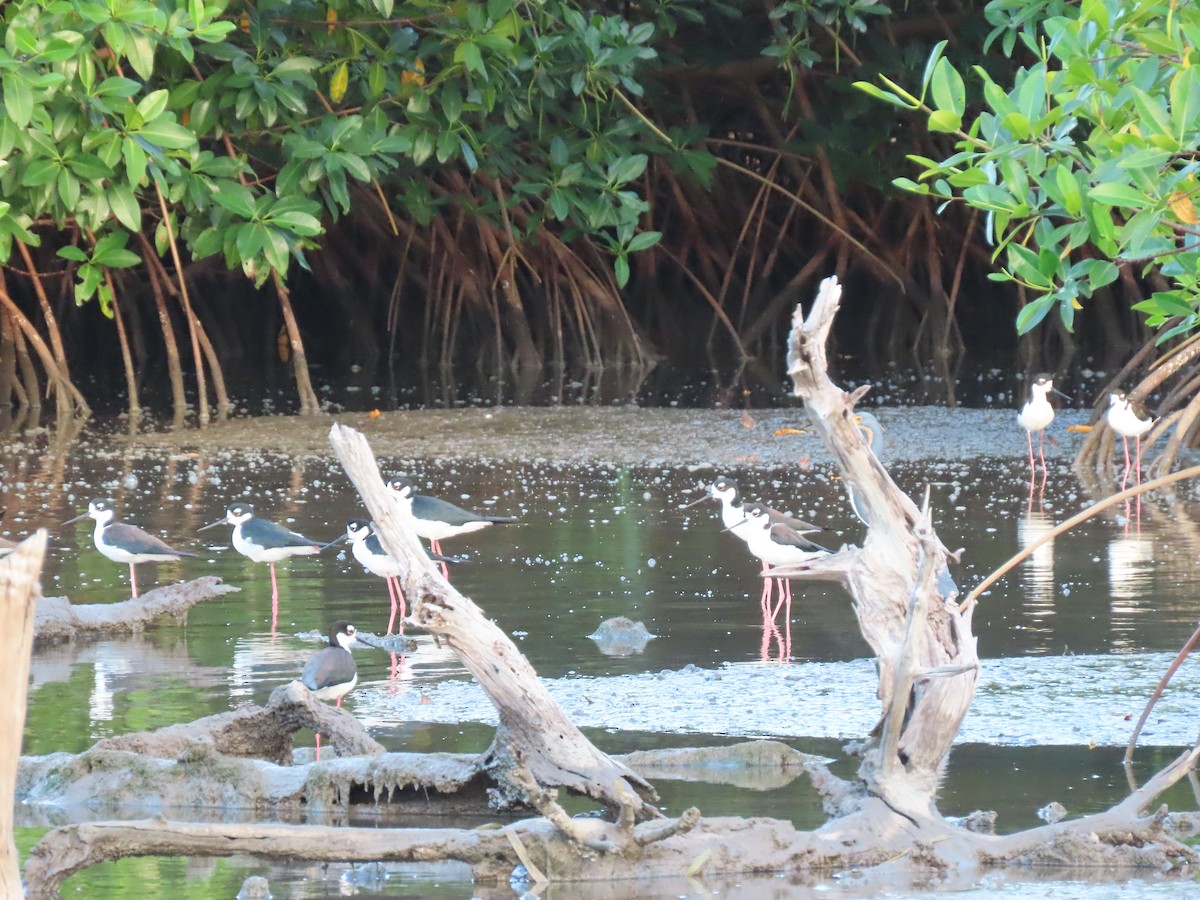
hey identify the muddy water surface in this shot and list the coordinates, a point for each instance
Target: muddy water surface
(1069, 637)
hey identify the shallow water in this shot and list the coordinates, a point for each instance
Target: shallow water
(597, 541)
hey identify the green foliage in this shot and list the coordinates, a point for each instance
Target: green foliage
(1086, 160)
(259, 122)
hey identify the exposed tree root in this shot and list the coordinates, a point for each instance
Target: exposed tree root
(58, 620)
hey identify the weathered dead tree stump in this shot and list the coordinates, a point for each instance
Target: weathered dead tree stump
(924, 645)
(19, 593)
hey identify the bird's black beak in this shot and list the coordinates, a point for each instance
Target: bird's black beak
(76, 519)
(736, 525)
(695, 502)
(1061, 394)
(219, 521)
(338, 539)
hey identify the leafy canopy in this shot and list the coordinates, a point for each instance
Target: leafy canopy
(1087, 160)
(240, 129)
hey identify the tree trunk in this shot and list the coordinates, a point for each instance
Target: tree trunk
(308, 398)
(56, 344)
(135, 405)
(174, 368)
(224, 407)
(901, 588)
(19, 593)
(8, 364)
(69, 398)
(29, 384)
(185, 301)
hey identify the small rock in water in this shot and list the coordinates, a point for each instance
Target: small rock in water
(982, 821)
(372, 876)
(254, 888)
(1052, 812)
(621, 636)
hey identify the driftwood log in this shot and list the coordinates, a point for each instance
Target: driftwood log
(19, 593)
(534, 739)
(886, 825)
(58, 620)
(148, 773)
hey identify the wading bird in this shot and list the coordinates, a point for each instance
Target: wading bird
(330, 673)
(435, 519)
(1129, 419)
(125, 543)
(369, 552)
(261, 540)
(1036, 415)
(733, 514)
(776, 544)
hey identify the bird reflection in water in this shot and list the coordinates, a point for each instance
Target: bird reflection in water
(1039, 566)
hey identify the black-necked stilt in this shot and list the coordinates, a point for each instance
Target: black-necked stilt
(435, 519)
(776, 544)
(1036, 415)
(261, 540)
(733, 514)
(1129, 419)
(725, 492)
(369, 552)
(125, 543)
(330, 673)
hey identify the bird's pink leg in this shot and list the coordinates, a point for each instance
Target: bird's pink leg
(400, 597)
(339, 701)
(392, 596)
(133, 580)
(318, 746)
(779, 603)
(1127, 463)
(1029, 438)
(787, 622)
(1138, 439)
(1042, 449)
(274, 584)
(436, 547)
(765, 600)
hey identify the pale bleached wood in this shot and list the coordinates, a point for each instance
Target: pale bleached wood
(20, 589)
(57, 619)
(881, 580)
(534, 732)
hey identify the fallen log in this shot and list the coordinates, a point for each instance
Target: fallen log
(57, 619)
(117, 778)
(111, 783)
(534, 738)
(263, 732)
